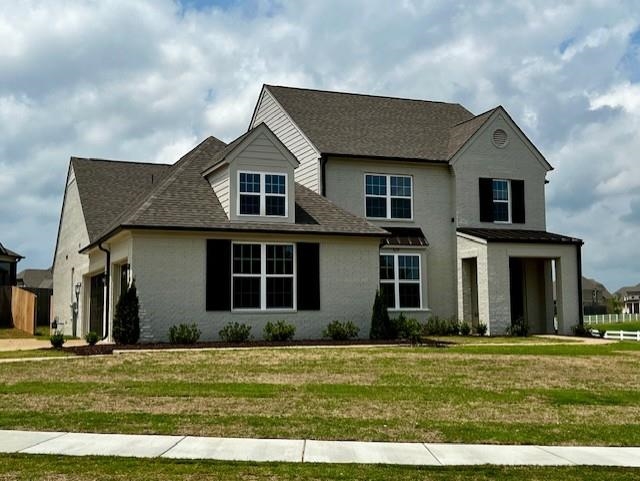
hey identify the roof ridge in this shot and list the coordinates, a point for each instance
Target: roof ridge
(475, 116)
(118, 161)
(354, 94)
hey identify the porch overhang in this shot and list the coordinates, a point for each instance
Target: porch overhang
(519, 235)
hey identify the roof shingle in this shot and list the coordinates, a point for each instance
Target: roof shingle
(519, 235)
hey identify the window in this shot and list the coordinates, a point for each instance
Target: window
(400, 280)
(501, 200)
(388, 196)
(262, 194)
(125, 280)
(263, 276)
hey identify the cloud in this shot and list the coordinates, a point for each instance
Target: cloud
(148, 79)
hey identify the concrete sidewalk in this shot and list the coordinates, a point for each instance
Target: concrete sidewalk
(309, 451)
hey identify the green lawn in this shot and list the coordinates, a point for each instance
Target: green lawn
(617, 326)
(528, 394)
(45, 352)
(29, 467)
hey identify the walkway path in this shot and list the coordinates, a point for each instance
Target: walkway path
(308, 451)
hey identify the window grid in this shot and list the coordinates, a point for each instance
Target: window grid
(263, 276)
(401, 281)
(388, 196)
(262, 194)
(501, 189)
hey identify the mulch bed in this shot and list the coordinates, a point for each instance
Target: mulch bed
(102, 349)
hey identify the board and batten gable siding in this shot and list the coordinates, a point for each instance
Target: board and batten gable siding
(348, 282)
(261, 155)
(69, 265)
(275, 117)
(516, 161)
(433, 209)
(219, 180)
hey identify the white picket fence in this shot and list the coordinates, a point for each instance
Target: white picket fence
(619, 335)
(610, 318)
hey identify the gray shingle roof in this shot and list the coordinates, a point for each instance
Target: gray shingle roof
(591, 285)
(107, 188)
(36, 278)
(184, 200)
(519, 235)
(9, 253)
(367, 125)
(460, 133)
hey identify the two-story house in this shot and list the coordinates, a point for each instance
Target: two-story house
(325, 199)
(630, 297)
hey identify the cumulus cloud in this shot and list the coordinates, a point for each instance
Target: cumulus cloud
(148, 79)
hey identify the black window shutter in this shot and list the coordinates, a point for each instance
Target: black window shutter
(308, 271)
(218, 283)
(517, 202)
(486, 200)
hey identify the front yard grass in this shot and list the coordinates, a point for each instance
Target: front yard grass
(520, 394)
(616, 326)
(18, 467)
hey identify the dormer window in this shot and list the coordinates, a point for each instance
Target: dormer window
(262, 194)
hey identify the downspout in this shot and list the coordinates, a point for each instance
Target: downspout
(323, 175)
(579, 260)
(107, 280)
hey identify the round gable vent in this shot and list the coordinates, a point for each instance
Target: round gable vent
(500, 138)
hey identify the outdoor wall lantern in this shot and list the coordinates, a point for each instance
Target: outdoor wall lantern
(74, 326)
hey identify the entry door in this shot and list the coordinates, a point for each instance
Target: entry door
(516, 281)
(96, 305)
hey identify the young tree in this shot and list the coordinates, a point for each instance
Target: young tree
(380, 321)
(126, 320)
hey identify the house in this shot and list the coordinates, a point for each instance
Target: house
(326, 198)
(630, 297)
(595, 297)
(8, 267)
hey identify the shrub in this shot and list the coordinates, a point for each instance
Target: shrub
(341, 330)
(126, 321)
(441, 327)
(184, 334)
(465, 328)
(518, 328)
(481, 329)
(381, 325)
(57, 340)
(279, 331)
(235, 332)
(92, 338)
(409, 329)
(581, 331)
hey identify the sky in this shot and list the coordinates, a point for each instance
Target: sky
(148, 79)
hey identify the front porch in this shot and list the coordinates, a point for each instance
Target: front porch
(507, 275)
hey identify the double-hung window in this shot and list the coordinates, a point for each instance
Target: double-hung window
(388, 196)
(501, 200)
(263, 276)
(262, 194)
(400, 280)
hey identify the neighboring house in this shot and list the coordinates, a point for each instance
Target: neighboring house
(630, 297)
(39, 282)
(8, 267)
(595, 297)
(327, 198)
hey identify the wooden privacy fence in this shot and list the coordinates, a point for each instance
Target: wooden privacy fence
(23, 310)
(610, 318)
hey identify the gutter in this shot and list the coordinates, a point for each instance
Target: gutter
(579, 261)
(107, 281)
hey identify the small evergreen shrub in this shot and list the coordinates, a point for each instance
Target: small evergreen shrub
(126, 321)
(441, 327)
(341, 330)
(184, 334)
(57, 340)
(481, 329)
(279, 331)
(381, 325)
(92, 338)
(235, 332)
(409, 329)
(581, 331)
(465, 328)
(518, 328)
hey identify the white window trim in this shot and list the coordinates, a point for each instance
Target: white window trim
(264, 276)
(508, 201)
(263, 194)
(396, 281)
(388, 197)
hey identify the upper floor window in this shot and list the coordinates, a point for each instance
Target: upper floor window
(400, 280)
(388, 196)
(501, 200)
(262, 194)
